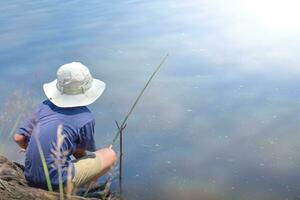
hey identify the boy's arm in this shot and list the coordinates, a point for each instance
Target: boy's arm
(86, 141)
(23, 133)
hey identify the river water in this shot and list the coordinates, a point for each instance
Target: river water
(220, 121)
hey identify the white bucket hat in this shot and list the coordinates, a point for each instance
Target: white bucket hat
(74, 86)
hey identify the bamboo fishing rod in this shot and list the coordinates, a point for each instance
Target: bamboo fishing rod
(122, 126)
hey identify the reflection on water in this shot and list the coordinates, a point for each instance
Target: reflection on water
(220, 121)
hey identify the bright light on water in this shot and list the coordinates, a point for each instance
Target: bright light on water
(274, 15)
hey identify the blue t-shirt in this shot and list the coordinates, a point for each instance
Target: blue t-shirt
(78, 130)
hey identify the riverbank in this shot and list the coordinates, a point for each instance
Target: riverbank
(13, 185)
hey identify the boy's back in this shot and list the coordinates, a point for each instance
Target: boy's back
(78, 129)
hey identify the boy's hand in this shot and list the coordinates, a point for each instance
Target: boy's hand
(22, 150)
(21, 141)
(79, 153)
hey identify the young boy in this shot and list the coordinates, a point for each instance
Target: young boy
(68, 97)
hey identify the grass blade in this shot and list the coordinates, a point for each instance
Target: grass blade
(60, 139)
(45, 167)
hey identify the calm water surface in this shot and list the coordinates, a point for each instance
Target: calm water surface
(220, 121)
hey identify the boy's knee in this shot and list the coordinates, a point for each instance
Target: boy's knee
(112, 155)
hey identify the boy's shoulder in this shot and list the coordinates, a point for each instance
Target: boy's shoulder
(82, 112)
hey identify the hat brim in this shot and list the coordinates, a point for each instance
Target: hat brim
(65, 101)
